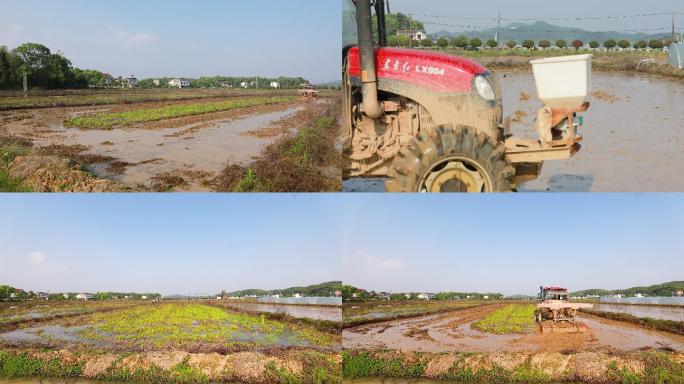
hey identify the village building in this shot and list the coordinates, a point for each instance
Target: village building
(180, 83)
(413, 34)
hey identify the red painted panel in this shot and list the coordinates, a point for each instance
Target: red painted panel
(436, 71)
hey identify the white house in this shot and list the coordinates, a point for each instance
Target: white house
(179, 83)
(426, 296)
(244, 85)
(156, 82)
(131, 82)
(84, 296)
(143, 297)
(414, 35)
(297, 295)
(275, 85)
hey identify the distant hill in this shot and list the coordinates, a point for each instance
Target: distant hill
(541, 30)
(322, 290)
(665, 289)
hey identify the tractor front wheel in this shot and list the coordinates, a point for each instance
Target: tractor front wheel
(451, 160)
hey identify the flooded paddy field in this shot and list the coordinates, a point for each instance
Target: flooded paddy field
(632, 136)
(164, 144)
(172, 342)
(13, 313)
(192, 327)
(316, 312)
(644, 311)
(454, 331)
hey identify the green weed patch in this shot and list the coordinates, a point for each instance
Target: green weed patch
(513, 318)
(109, 120)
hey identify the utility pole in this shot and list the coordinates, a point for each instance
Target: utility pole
(674, 33)
(498, 29)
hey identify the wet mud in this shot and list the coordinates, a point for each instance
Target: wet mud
(453, 332)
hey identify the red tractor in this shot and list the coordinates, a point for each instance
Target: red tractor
(432, 122)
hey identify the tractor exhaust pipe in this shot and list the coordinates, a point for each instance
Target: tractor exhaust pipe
(369, 80)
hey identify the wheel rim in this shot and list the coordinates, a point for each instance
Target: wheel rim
(456, 174)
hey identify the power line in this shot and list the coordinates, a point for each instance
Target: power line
(550, 18)
(516, 29)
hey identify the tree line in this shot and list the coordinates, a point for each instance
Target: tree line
(463, 42)
(47, 70)
(43, 69)
(9, 293)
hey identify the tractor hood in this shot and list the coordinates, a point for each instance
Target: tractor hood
(439, 72)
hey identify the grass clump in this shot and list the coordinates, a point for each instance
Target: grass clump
(513, 318)
(16, 365)
(355, 365)
(295, 163)
(109, 120)
(10, 148)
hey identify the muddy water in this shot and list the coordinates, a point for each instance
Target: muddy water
(453, 332)
(654, 312)
(50, 333)
(299, 311)
(633, 144)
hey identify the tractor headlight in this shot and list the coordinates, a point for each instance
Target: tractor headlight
(484, 88)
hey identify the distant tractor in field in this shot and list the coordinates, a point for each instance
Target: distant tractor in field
(275, 85)
(308, 91)
(555, 313)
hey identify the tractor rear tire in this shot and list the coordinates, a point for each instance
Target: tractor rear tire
(451, 159)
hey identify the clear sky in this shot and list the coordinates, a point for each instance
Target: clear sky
(544, 9)
(155, 38)
(512, 243)
(169, 244)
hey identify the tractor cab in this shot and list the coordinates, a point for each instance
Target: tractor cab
(553, 293)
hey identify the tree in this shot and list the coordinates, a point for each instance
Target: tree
(475, 43)
(5, 68)
(594, 44)
(511, 44)
(544, 44)
(577, 44)
(392, 41)
(624, 44)
(656, 44)
(491, 43)
(426, 43)
(403, 41)
(561, 44)
(459, 42)
(641, 44)
(415, 43)
(442, 42)
(609, 44)
(529, 44)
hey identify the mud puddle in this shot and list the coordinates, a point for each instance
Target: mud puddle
(49, 334)
(632, 136)
(653, 312)
(453, 332)
(298, 311)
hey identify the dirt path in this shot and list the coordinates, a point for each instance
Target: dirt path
(453, 332)
(182, 154)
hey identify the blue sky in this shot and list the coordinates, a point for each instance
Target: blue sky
(545, 9)
(184, 38)
(168, 243)
(512, 243)
(202, 243)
